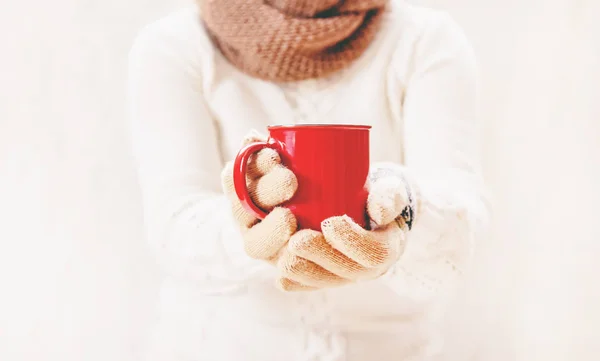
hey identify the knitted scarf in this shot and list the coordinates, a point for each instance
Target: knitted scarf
(291, 40)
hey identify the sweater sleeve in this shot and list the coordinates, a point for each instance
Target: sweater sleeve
(177, 154)
(441, 159)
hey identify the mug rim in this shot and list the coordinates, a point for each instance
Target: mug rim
(319, 126)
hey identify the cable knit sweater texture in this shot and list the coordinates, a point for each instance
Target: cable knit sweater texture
(191, 108)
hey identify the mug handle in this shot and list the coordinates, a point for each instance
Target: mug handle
(240, 167)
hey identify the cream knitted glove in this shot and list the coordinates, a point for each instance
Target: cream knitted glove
(345, 252)
(269, 184)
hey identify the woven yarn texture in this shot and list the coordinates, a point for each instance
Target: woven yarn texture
(292, 40)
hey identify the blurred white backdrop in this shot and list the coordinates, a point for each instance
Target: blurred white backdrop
(77, 282)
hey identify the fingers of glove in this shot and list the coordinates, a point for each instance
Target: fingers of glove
(307, 273)
(369, 249)
(264, 160)
(312, 246)
(269, 190)
(274, 188)
(287, 285)
(262, 163)
(388, 196)
(266, 238)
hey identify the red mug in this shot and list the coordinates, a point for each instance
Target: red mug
(331, 163)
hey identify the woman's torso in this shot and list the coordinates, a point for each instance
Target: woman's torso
(360, 323)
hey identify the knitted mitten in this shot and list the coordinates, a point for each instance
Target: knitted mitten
(269, 185)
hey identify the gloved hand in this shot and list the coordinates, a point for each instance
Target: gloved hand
(269, 184)
(345, 252)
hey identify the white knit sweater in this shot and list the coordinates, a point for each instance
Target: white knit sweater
(190, 110)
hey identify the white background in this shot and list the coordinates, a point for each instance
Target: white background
(77, 282)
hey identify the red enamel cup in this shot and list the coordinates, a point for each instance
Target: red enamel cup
(331, 163)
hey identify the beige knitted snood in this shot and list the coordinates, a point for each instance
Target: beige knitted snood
(292, 40)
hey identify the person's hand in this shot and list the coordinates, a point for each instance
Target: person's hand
(344, 252)
(269, 184)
